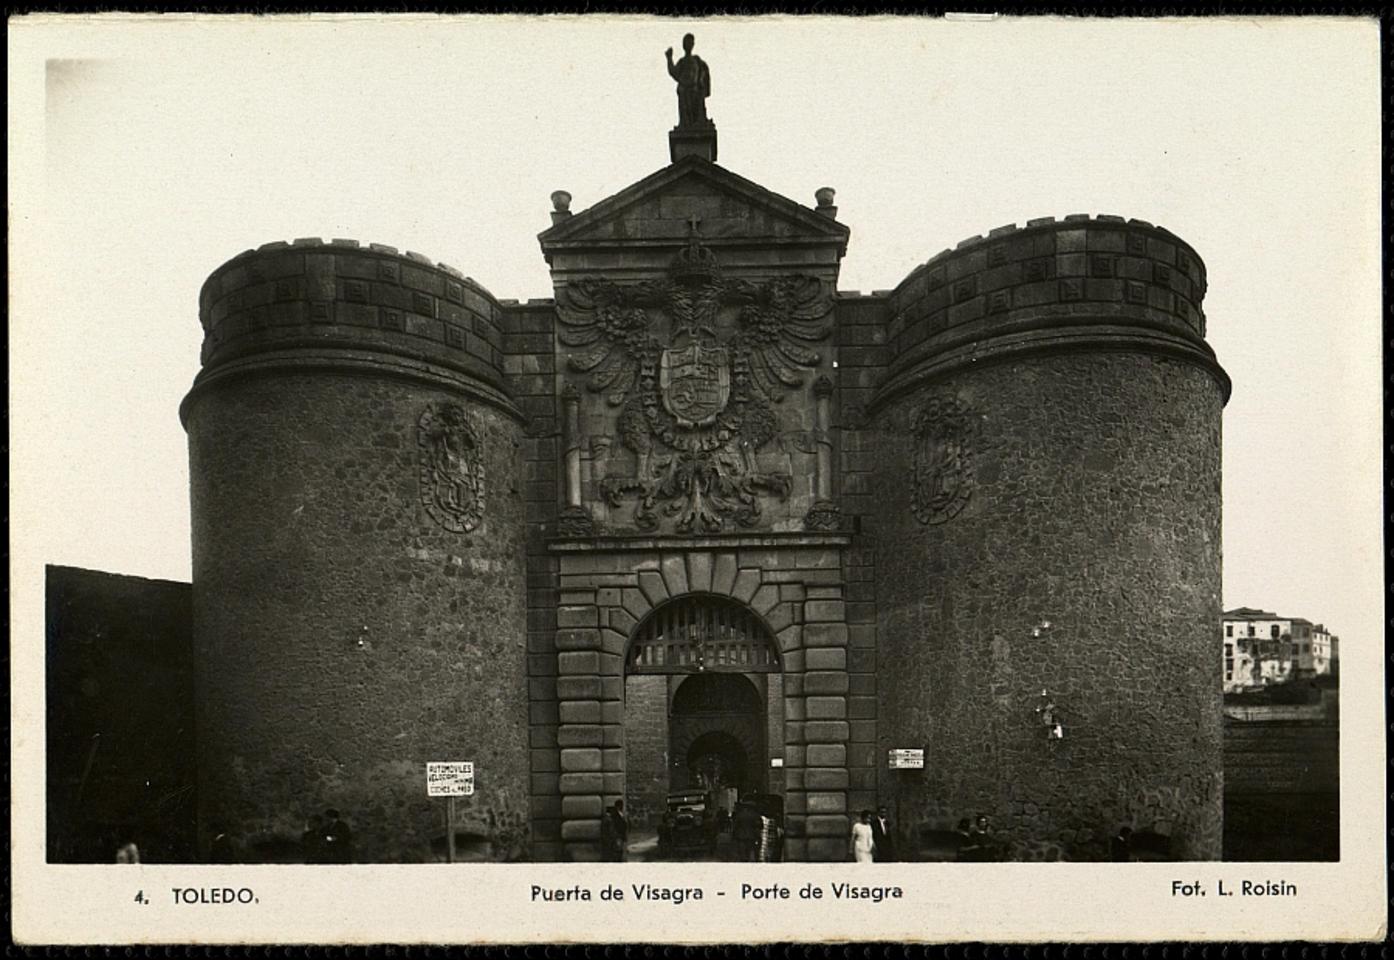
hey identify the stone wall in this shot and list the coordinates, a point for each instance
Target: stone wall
(359, 552)
(1056, 497)
(119, 717)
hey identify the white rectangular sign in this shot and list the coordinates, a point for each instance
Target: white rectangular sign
(450, 779)
(907, 760)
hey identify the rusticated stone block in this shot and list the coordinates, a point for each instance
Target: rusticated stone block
(825, 635)
(723, 573)
(573, 783)
(674, 575)
(580, 735)
(828, 825)
(765, 599)
(747, 582)
(862, 731)
(637, 603)
(826, 755)
(584, 639)
(654, 588)
(579, 711)
(820, 682)
(613, 642)
(825, 731)
(823, 658)
(579, 688)
(576, 662)
(861, 708)
(824, 778)
(581, 808)
(790, 638)
(833, 611)
(794, 708)
(819, 803)
(780, 618)
(580, 760)
(822, 708)
(699, 572)
(611, 760)
(587, 829)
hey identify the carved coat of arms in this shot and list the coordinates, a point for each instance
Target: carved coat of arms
(943, 461)
(695, 362)
(451, 466)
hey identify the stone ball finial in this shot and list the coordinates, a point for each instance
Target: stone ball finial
(824, 196)
(561, 201)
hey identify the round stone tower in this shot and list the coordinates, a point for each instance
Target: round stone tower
(358, 554)
(1049, 557)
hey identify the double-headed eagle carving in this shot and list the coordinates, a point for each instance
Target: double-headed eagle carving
(695, 363)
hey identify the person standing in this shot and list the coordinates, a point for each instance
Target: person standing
(984, 850)
(337, 845)
(966, 849)
(882, 836)
(745, 831)
(863, 845)
(621, 831)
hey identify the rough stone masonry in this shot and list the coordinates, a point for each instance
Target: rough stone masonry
(976, 515)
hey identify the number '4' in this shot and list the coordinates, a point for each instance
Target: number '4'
(140, 896)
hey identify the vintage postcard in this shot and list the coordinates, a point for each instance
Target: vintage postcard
(598, 479)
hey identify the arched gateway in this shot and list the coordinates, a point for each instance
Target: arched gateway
(721, 667)
(703, 702)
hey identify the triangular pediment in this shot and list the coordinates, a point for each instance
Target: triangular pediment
(691, 196)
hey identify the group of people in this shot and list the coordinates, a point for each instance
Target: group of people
(976, 843)
(614, 832)
(873, 837)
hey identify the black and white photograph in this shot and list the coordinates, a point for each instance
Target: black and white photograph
(929, 466)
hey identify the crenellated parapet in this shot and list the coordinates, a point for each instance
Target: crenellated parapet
(340, 305)
(1078, 283)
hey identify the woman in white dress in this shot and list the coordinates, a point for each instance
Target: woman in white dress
(862, 844)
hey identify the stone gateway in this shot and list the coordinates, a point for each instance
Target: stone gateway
(700, 521)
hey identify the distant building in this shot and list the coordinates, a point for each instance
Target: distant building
(1262, 648)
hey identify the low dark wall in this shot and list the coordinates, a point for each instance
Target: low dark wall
(120, 717)
(1282, 791)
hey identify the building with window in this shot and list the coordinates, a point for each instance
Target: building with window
(1262, 648)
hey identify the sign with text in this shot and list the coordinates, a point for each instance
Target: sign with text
(906, 760)
(450, 779)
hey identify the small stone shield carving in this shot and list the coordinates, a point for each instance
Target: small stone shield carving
(451, 468)
(943, 461)
(695, 382)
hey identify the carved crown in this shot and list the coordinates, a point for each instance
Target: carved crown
(695, 263)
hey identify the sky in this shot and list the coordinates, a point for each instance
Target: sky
(146, 153)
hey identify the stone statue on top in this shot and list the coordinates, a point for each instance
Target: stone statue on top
(694, 85)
